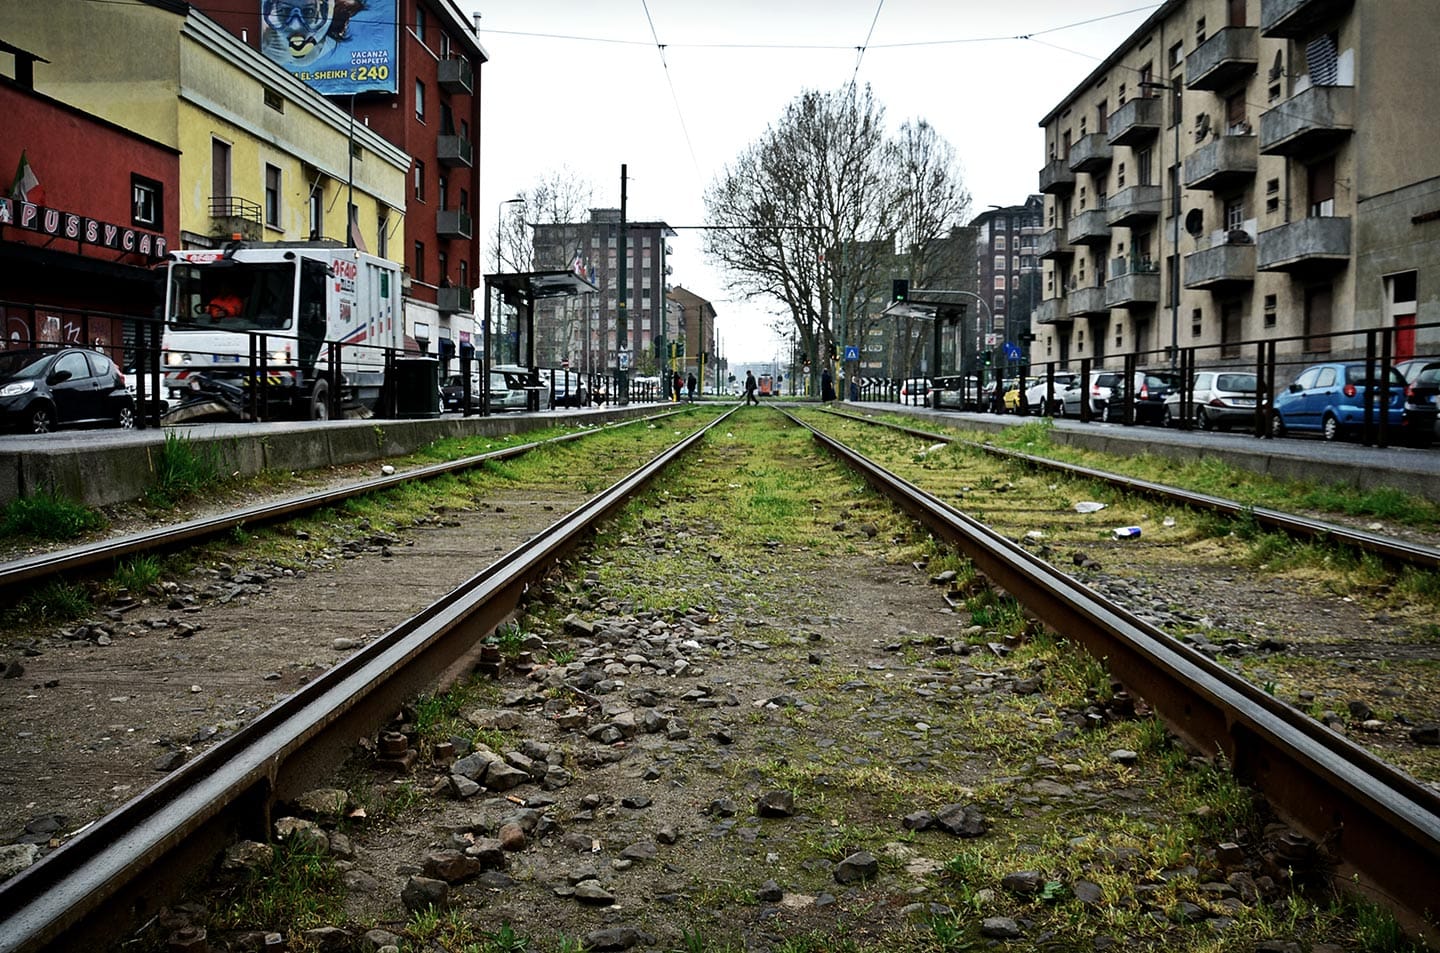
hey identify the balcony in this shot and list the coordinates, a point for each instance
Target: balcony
(231, 215)
(455, 76)
(1132, 285)
(453, 223)
(1295, 19)
(1051, 311)
(1135, 123)
(1224, 162)
(1091, 153)
(1224, 59)
(1133, 206)
(1087, 302)
(1309, 122)
(1089, 228)
(453, 300)
(453, 151)
(1052, 245)
(1311, 243)
(1056, 177)
(1220, 266)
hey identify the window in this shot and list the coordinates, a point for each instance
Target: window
(272, 196)
(442, 194)
(419, 173)
(1272, 195)
(1196, 325)
(999, 282)
(1120, 99)
(1143, 166)
(420, 23)
(1120, 176)
(1177, 55)
(417, 270)
(1102, 117)
(419, 100)
(382, 234)
(464, 268)
(145, 205)
(1270, 311)
(219, 169)
(444, 263)
(1321, 181)
(999, 242)
(999, 304)
(444, 46)
(1234, 214)
(999, 262)
(1199, 31)
(274, 101)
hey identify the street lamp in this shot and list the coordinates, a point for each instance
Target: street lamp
(499, 239)
(1174, 89)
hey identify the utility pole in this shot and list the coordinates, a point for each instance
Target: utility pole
(622, 316)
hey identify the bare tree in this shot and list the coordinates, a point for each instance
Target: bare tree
(787, 216)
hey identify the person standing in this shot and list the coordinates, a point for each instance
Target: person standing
(827, 386)
(675, 385)
(750, 397)
(690, 386)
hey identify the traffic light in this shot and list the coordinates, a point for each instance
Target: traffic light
(899, 289)
(985, 356)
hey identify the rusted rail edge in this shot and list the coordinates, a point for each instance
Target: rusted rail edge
(1395, 550)
(121, 869)
(1382, 824)
(98, 556)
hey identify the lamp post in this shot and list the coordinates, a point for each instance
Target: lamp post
(499, 240)
(1173, 88)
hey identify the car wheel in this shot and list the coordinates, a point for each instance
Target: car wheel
(1330, 427)
(1167, 420)
(1203, 419)
(1277, 425)
(42, 418)
(320, 401)
(125, 419)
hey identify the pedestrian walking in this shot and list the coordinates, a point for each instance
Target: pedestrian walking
(827, 386)
(690, 386)
(675, 385)
(750, 385)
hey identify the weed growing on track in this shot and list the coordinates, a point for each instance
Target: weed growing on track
(52, 603)
(47, 516)
(183, 469)
(301, 887)
(137, 574)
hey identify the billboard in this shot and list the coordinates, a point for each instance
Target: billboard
(336, 47)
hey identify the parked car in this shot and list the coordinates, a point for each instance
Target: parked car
(509, 391)
(45, 389)
(1422, 397)
(1329, 399)
(1220, 399)
(1035, 394)
(916, 391)
(1107, 395)
(452, 392)
(568, 388)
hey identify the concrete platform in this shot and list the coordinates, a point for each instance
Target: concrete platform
(96, 467)
(1409, 469)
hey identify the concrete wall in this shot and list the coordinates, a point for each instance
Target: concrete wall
(97, 468)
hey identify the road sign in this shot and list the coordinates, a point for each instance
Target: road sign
(565, 364)
(1012, 351)
(852, 352)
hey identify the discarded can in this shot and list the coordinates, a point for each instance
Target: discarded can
(1126, 532)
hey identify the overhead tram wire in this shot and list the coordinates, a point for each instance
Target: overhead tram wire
(669, 81)
(860, 50)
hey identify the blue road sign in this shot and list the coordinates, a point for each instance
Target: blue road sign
(852, 352)
(1012, 352)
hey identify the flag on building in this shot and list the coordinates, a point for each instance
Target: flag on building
(26, 187)
(577, 264)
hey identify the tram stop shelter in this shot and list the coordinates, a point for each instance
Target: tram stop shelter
(521, 290)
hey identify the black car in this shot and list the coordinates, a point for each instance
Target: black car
(44, 389)
(1422, 397)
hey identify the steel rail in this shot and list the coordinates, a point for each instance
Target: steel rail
(122, 867)
(1397, 551)
(99, 556)
(1377, 820)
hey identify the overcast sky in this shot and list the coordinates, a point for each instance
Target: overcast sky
(581, 85)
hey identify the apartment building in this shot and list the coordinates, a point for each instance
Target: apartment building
(1009, 271)
(407, 70)
(1243, 170)
(582, 329)
(691, 325)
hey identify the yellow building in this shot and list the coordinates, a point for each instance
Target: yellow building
(1241, 171)
(262, 155)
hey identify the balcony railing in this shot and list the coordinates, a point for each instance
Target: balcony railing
(1089, 228)
(1133, 206)
(1220, 266)
(1297, 18)
(454, 151)
(1137, 288)
(1224, 59)
(1309, 122)
(1091, 153)
(1057, 177)
(1051, 311)
(1136, 122)
(1085, 302)
(453, 300)
(232, 215)
(1322, 242)
(1223, 162)
(1052, 245)
(453, 223)
(455, 76)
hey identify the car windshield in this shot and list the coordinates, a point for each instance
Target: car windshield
(1241, 383)
(22, 363)
(1430, 375)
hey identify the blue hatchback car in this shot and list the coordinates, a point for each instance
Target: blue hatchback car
(1329, 399)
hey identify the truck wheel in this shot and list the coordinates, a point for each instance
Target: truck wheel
(320, 401)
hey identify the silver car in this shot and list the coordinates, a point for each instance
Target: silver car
(1221, 398)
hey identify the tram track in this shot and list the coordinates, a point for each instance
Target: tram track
(1379, 821)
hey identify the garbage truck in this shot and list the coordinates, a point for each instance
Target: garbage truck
(294, 301)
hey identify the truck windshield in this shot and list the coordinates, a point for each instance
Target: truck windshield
(235, 296)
